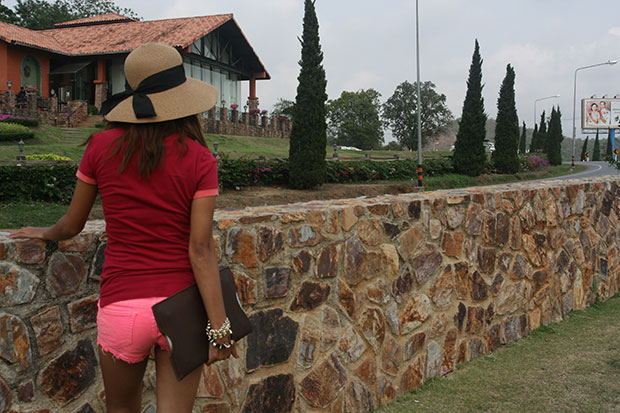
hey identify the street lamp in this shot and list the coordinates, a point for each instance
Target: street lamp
(419, 115)
(538, 100)
(609, 62)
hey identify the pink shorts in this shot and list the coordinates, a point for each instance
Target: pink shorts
(127, 329)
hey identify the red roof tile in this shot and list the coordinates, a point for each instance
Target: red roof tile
(114, 37)
(101, 19)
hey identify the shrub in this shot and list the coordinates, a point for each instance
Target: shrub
(365, 171)
(47, 157)
(532, 162)
(13, 131)
(49, 183)
(19, 120)
(92, 110)
(100, 125)
(246, 172)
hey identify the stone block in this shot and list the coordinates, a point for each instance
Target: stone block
(391, 357)
(246, 288)
(426, 263)
(240, 247)
(328, 260)
(277, 281)
(272, 339)
(369, 231)
(310, 295)
(413, 377)
(372, 326)
(302, 261)
(358, 398)
(330, 328)
(83, 313)
(367, 370)
(216, 408)
(351, 346)
(65, 273)
(378, 293)
(31, 251)
(210, 384)
(15, 345)
(442, 290)
(449, 352)
(17, 285)
(305, 236)
(270, 242)
(67, 377)
(323, 384)
(346, 298)
(99, 260)
(272, 394)
(416, 312)
(79, 243)
(233, 375)
(6, 397)
(25, 392)
(48, 329)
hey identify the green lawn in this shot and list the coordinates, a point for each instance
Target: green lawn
(50, 139)
(571, 366)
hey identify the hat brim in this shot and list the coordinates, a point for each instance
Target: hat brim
(190, 98)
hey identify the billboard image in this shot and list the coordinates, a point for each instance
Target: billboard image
(600, 113)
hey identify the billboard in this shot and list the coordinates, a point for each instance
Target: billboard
(600, 113)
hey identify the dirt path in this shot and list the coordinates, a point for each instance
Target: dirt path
(260, 196)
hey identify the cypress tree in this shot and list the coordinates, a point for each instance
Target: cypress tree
(554, 138)
(608, 151)
(584, 149)
(596, 151)
(505, 156)
(470, 157)
(308, 139)
(541, 136)
(522, 139)
(533, 141)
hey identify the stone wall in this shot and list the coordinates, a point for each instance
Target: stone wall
(233, 122)
(353, 302)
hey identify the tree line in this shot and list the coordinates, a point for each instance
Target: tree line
(40, 14)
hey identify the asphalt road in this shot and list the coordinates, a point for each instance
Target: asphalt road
(598, 168)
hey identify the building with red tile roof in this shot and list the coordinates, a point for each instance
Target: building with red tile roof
(83, 59)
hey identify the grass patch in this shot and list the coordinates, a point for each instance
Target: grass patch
(568, 367)
(19, 214)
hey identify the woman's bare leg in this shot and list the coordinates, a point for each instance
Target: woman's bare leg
(174, 396)
(122, 382)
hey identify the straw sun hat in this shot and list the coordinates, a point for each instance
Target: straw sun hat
(159, 89)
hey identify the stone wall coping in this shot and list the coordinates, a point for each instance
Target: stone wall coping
(97, 226)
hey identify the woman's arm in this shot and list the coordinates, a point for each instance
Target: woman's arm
(206, 272)
(70, 224)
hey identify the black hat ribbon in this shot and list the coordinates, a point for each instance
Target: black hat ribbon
(142, 105)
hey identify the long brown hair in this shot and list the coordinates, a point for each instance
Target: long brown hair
(146, 141)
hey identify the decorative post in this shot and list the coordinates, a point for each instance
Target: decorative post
(21, 156)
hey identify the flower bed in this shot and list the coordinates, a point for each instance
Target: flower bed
(19, 120)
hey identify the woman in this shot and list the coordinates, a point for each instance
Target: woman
(594, 116)
(158, 183)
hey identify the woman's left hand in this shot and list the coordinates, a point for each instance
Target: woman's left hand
(29, 232)
(215, 354)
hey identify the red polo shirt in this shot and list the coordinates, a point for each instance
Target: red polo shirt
(147, 220)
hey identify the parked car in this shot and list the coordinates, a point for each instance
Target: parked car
(489, 146)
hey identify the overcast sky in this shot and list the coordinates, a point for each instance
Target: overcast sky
(371, 44)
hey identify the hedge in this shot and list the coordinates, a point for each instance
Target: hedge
(55, 183)
(51, 183)
(20, 121)
(47, 157)
(13, 131)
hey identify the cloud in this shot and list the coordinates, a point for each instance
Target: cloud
(361, 80)
(614, 31)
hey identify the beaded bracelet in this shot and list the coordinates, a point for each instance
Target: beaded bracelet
(221, 332)
(223, 346)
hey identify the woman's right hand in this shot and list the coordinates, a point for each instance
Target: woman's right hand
(215, 354)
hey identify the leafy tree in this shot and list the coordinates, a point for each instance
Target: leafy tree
(608, 150)
(522, 139)
(553, 147)
(354, 119)
(7, 15)
(469, 154)
(308, 139)
(505, 156)
(39, 14)
(283, 107)
(534, 137)
(596, 151)
(400, 113)
(584, 149)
